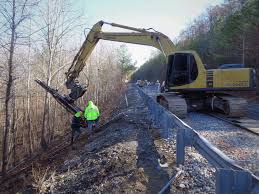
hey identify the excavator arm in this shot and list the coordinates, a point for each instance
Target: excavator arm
(139, 36)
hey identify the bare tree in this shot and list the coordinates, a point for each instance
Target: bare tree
(36, 42)
(14, 13)
(59, 21)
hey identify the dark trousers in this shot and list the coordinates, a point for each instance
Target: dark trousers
(91, 125)
(75, 133)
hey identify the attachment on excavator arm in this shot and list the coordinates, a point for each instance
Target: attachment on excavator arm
(76, 90)
(64, 101)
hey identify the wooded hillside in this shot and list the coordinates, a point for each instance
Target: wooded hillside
(227, 33)
(39, 40)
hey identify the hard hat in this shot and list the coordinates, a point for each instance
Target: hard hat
(78, 114)
(90, 102)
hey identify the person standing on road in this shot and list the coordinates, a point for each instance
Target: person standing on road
(157, 86)
(163, 87)
(76, 124)
(92, 115)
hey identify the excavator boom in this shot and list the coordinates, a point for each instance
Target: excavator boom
(140, 36)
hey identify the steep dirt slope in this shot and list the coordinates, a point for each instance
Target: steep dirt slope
(121, 158)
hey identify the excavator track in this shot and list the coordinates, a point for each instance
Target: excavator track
(231, 106)
(174, 103)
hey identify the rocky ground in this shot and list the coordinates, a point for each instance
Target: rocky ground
(121, 158)
(237, 143)
(128, 155)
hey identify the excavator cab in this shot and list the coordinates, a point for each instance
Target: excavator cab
(182, 69)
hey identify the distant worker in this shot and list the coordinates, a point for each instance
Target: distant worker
(145, 83)
(92, 115)
(76, 124)
(162, 87)
(157, 86)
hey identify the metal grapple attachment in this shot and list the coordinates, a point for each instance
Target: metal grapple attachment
(64, 101)
(76, 91)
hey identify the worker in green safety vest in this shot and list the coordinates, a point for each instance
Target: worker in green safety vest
(92, 115)
(76, 124)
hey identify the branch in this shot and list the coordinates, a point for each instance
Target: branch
(23, 7)
(6, 16)
(59, 69)
(4, 46)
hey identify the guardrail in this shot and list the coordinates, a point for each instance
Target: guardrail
(230, 178)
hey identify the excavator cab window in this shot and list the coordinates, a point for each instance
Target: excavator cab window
(182, 69)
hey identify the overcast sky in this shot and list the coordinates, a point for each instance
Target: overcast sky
(166, 16)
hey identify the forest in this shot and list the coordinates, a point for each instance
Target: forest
(223, 34)
(38, 41)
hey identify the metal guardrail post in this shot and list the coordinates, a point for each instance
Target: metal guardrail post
(180, 154)
(233, 181)
(184, 137)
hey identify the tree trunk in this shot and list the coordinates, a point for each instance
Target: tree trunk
(43, 141)
(13, 128)
(29, 98)
(46, 113)
(8, 94)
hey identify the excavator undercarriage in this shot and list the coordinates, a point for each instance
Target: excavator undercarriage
(229, 105)
(174, 102)
(181, 104)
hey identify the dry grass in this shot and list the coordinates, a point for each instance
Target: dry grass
(42, 178)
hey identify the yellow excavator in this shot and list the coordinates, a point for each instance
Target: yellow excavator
(189, 85)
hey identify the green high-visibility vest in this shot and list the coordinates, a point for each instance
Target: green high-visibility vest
(91, 112)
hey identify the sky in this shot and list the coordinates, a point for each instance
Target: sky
(167, 16)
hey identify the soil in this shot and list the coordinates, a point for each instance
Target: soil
(122, 157)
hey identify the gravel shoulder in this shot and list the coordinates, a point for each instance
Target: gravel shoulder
(237, 143)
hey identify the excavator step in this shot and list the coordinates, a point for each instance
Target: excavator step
(61, 99)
